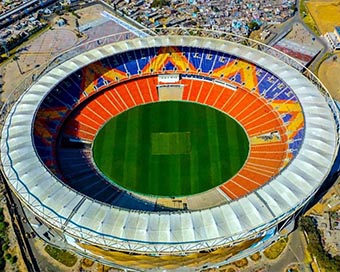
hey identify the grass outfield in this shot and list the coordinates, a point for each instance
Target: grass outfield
(170, 148)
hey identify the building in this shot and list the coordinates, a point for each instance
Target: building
(333, 38)
(290, 121)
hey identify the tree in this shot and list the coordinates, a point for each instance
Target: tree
(2, 227)
(13, 259)
(253, 25)
(315, 246)
(307, 224)
(8, 256)
(2, 263)
(159, 3)
(5, 247)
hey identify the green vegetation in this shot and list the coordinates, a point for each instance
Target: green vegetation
(170, 143)
(4, 244)
(61, 255)
(255, 257)
(253, 26)
(4, 247)
(302, 9)
(170, 148)
(75, 15)
(292, 269)
(159, 3)
(274, 251)
(324, 58)
(86, 263)
(241, 263)
(10, 258)
(307, 17)
(325, 260)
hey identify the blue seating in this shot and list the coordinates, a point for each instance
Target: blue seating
(72, 86)
(130, 62)
(195, 56)
(45, 153)
(115, 62)
(142, 58)
(295, 144)
(236, 78)
(169, 66)
(101, 82)
(222, 60)
(265, 81)
(66, 94)
(78, 171)
(128, 201)
(286, 117)
(272, 87)
(208, 58)
(129, 59)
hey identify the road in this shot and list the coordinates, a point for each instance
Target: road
(293, 254)
(286, 27)
(18, 9)
(16, 213)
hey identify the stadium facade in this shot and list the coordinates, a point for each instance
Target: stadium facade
(289, 117)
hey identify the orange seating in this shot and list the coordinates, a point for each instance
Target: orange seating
(144, 89)
(214, 94)
(275, 147)
(270, 162)
(195, 88)
(83, 119)
(246, 181)
(76, 129)
(115, 100)
(253, 112)
(81, 126)
(257, 113)
(248, 108)
(84, 135)
(232, 100)
(262, 125)
(135, 92)
(187, 87)
(244, 100)
(107, 104)
(269, 171)
(87, 113)
(124, 93)
(118, 100)
(265, 159)
(256, 176)
(233, 190)
(243, 182)
(223, 98)
(204, 91)
(249, 183)
(98, 109)
(152, 84)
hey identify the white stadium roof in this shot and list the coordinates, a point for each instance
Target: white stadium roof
(177, 231)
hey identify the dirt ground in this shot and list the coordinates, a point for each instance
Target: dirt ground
(329, 72)
(325, 14)
(36, 53)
